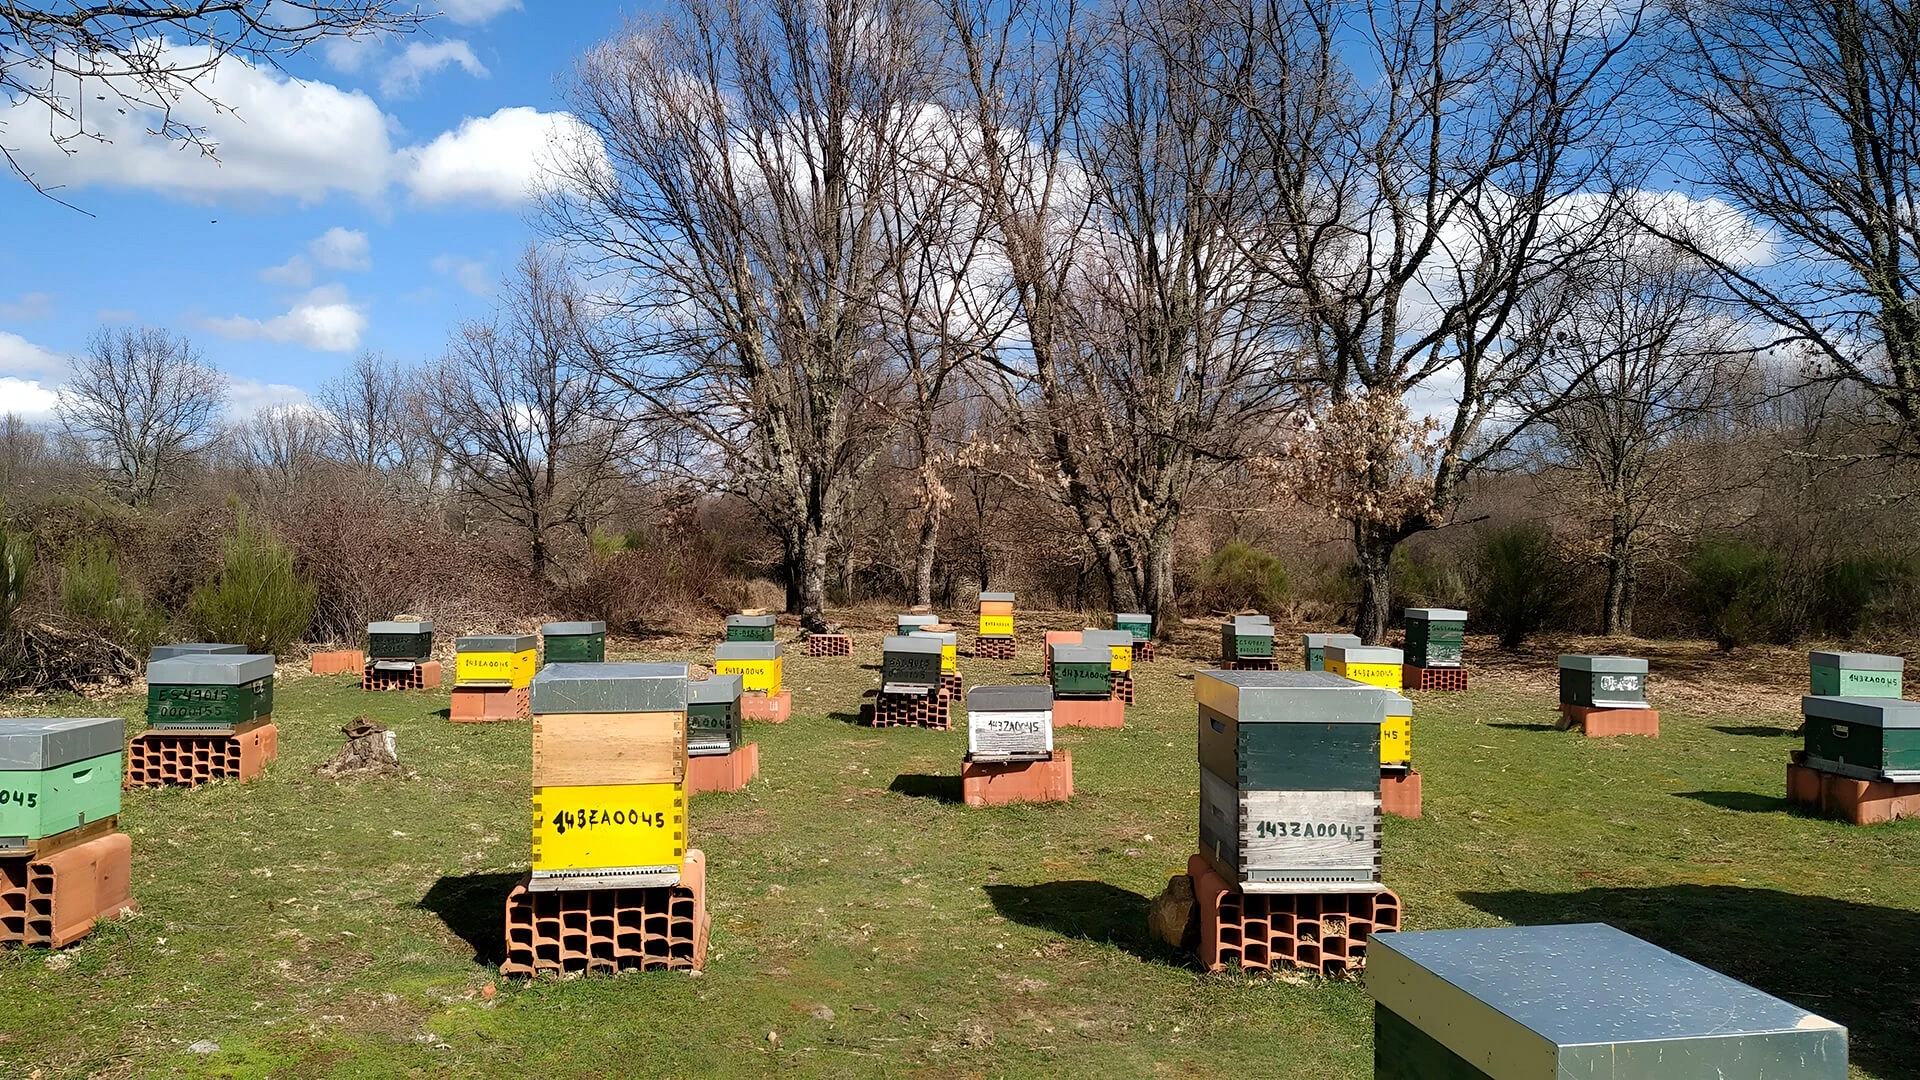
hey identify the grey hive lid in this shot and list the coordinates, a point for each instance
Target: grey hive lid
(750, 620)
(1251, 620)
(713, 690)
(209, 669)
(33, 744)
(424, 626)
(944, 637)
(1608, 665)
(195, 648)
(1321, 641)
(1877, 712)
(1365, 654)
(1133, 616)
(916, 620)
(747, 650)
(1250, 629)
(610, 688)
(1857, 661)
(1112, 639)
(923, 644)
(511, 643)
(1010, 699)
(996, 597)
(573, 629)
(1289, 697)
(1435, 614)
(1562, 1000)
(1069, 653)
(1398, 704)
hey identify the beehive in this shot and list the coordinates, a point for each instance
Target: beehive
(1118, 642)
(1375, 665)
(1582, 1000)
(1247, 637)
(1009, 723)
(750, 627)
(907, 624)
(495, 660)
(1603, 682)
(1139, 624)
(1082, 670)
(1852, 674)
(910, 664)
(757, 663)
(1436, 637)
(1290, 779)
(400, 641)
(996, 614)
(195, 648)
(713, 715)
(56, 775)
(1396, 733)
(949, 645)
(1314, 648)
(1867, 738)
(609, 774)
(209, 691)
(575, 642)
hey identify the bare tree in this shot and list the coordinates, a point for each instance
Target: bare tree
(279, 448)
(145, 405)
(367, 410)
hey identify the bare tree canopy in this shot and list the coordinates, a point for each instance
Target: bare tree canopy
(146, 404)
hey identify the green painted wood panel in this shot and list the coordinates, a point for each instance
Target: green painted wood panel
(1404, 1052)
(1082, 680)
(400, 646)
(1601, 688)
(1290, 757)
(1863, 745)
(713, 726)
(48, 802)
(577, 649)
(209, 706)
(749, 633)
(1851, 682)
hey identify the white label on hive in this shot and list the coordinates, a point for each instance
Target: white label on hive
(1296, 830)
(1009, 732)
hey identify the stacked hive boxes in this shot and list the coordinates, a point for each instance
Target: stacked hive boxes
(1606, 695)
(750, 627)
(1082, 679)
(493, 676)
(210, 717)
(911, 691)
(1584, 1000)
(1010, 754)
(718, 760)
(949, 656)
(1120, 667)
(575, 642)
(1246, 643)
(399, 656)
(1289, 811)
(63, 864)
(996, 640)
(1852, 674)
(1399, 782)
(1313, 648)
(1375, 665)
(1140, 625)
(1860, 759)
(614, 885)
(761, 670)
(1436, 649)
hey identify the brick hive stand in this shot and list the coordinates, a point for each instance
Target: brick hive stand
(1143, 650)
(1604, 723)
(160, 758)
(338, 662)
(1325, 933)
(1400, 793)
(1106, 712)
(476, 705)
(425, 676)
(610, 929)
(933, 711)
(1122, 683)
(829, 645)
(775, 709)
(953, 685)
(53, 900)
(1433, 678)
(723, 772)
(985, 783)
(1859, 802)
(987, 648)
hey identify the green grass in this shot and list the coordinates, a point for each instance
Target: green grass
(873, 928)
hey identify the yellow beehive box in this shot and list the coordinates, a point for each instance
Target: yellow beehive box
(1396, 733)
(1371, 664)
(508, 660)
(949, 645)
(995, 625)
(614, 826)
(609, 749)
(757, 663)
(1117, 642)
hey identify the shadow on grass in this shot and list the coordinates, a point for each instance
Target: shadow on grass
(1755, 730)
(846, 717)
(1844, 960)
(1549, 726)
(1747, 802)
(474, 907)
(1088, 910)
(444, 714)
(944, 789)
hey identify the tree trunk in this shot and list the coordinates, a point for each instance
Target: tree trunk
(929, 541)
(1162, 602)
(1373, 554)
(807, 588)
(1617, 618)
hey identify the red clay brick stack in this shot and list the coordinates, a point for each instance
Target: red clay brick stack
(829, 645)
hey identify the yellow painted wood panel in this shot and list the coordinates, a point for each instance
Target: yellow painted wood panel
(762, 676)
(515, 669)
(609, 826)
(1385, 676)
(995, 625)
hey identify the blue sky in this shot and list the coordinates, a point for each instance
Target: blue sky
(369, 196)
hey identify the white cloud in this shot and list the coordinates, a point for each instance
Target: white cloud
(28, 308)
(470, 12)
(295, 271)
(27, 398)
(500, 160)
(18, 356)
(245, 397)
(421, 59)
(1713, 223)
(341, 249)
(471, 274)
(324, 319)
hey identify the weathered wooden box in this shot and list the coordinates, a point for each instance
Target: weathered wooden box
(1603, 682)
(1867, 738)
(1852, 674)
(400, 641)
(1580, 1001)
(713, 715)
(1313, 648)
(1009, 723)
(910, 664)
(209, 691)
(495, 660)
(1081, 670)
(575, 642)
(1375, 665)
(1436, 637)
(56, 775)
(750, 627)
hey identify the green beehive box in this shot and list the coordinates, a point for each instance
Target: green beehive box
(1247, 637)
(1082, 670)
(907, 624)
(1604, 682)
(1138, 624)
(910, 664)
(575, 642)
(207, 691)
(1314, 648)
(750, 627)
(57, 775)
(400, 641)
(1436, 637)
(1853, 674)
(1864, 738)
(713, 716)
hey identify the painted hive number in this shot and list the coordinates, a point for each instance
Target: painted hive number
(28, 799)
(1328, 830)
(590, 817)
(1619, 684)
(1000, 726)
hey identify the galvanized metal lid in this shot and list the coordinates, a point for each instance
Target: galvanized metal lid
(1066, 652)
(1857, 661)
(944, 637)
(1112, 639)
(1133, 616)
(32, 744)
(747, 650)
(610, 688)
(1866, 711)
(1550, 1001)
(1240, 629)
(1435, 614)
(1398, 704)
(194, 648)
(920, 643)
(209, 669)
(1321, 641)
(1009, 699)
(1609, 665)
(1251, 620)
(750, 620)
(573, 629)
(996, 598)
(1289, 697)
(424, 626)
(1365, 654)
(509, 643)
(714, 689)
(916, 620)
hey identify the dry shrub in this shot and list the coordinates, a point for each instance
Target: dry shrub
(651, 584)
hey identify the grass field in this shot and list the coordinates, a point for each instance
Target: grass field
(865, 924)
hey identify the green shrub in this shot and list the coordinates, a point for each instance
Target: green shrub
(257, 599)
(1518, 581)
(16, 572)
(1735, 592)
(1858, 590)
(92, 593)
(1423, 578)
(1242, 576)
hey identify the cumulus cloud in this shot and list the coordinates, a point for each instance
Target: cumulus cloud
(472, 12)
(29, 307)
(471, 274)
(421, 59)
(28, 399)
(325, 319)
(499, 160)
(341, 249)
(245, 397)
(18, 356)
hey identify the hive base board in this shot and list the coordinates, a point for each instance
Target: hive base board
(1106, 712)
(1600, 723)
(1400, 793)
(480, 705)
(770, 709)
(723, 772)
(829, 645)
(338, 662)
(424, 676)
(1857, 802)
(1322, 932)
(163, 758)
(1001, 783)
(995, 648)
(612, 929)
(1433, 678)
(1251, 663)
(53, 901)
(42, 846)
